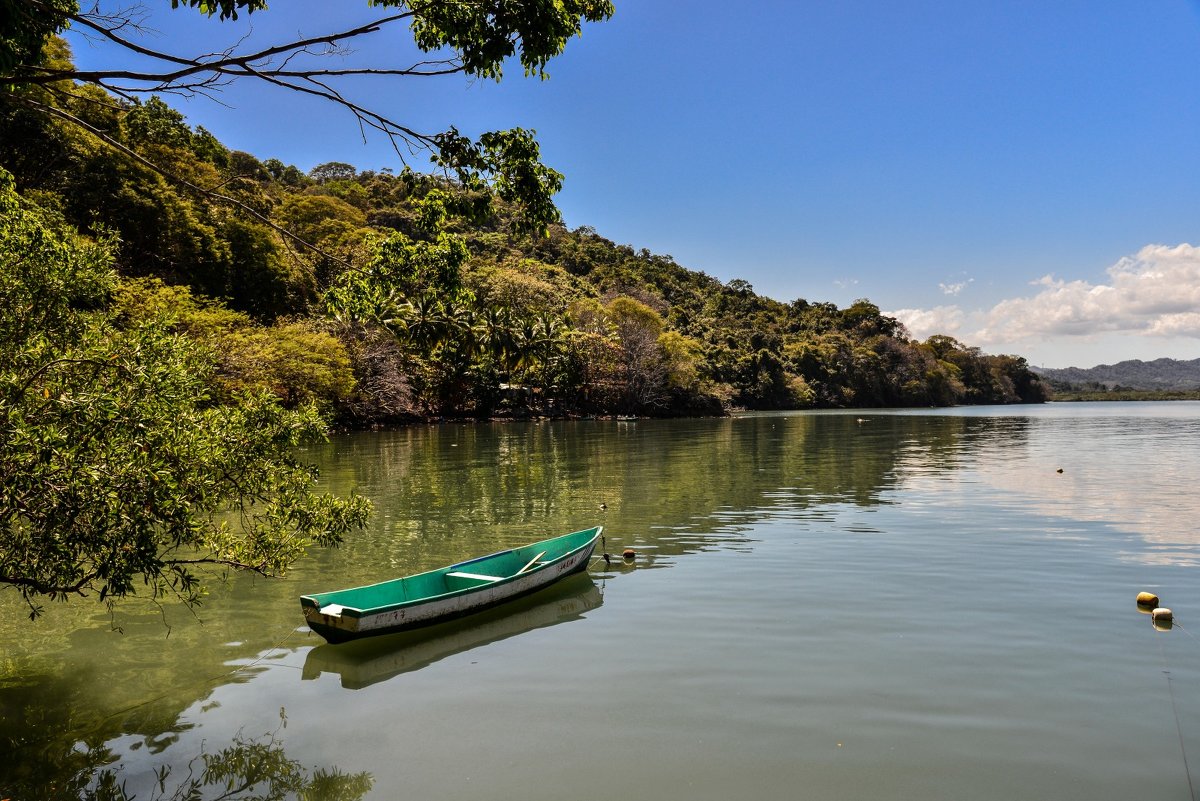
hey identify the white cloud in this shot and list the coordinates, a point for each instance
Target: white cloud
(954, 289)
(924, 323)
(1152, 297)
(1147, 306)
(1175, 325)
(1153, 293)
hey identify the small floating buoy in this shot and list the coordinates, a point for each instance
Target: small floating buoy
(603, 506)
(1059, 470)
(1147, 599)
(628, 553)
(1162, 625)
(1162, 615)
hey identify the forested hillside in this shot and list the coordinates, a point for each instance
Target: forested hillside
(385, 297)
(1135, 374)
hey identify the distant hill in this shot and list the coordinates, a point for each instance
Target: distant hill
(1160, 374)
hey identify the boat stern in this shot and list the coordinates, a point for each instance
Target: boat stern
(334, 622)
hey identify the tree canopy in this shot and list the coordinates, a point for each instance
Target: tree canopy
(465, 37)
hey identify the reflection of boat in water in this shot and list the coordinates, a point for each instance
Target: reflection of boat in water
(449, 592)
(365, 662)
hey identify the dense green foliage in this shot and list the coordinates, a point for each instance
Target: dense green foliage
(117, 464)
(424, 298)
(24, 27)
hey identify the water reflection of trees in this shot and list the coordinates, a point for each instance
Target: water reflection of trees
(52, 754)
(245, 770)
(672, 486)
(75, 696)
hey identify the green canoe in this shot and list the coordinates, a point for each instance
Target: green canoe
(448, 592)
(369, 661)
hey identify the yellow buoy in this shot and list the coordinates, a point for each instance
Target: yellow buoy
(1147, 599)
(1162, 615)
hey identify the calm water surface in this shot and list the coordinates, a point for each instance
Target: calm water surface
(893, 605)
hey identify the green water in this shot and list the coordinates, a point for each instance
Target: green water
(900, 605)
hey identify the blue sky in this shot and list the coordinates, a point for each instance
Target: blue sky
(1022, 175)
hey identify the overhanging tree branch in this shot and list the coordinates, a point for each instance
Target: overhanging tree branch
(48, 588)
(228, 63)
(260, 568)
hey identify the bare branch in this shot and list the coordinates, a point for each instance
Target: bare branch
(261, 569)
(390, 128)
(227, 62)
(43, 588)
(452, 67)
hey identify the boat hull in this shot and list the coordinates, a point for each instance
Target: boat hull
(326, 616)
(372, 660)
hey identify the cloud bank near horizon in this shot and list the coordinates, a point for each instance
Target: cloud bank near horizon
(1154, 293)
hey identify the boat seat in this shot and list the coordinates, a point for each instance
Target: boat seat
(476, 576)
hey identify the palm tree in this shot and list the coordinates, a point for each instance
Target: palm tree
(425, 323)
(498, 334)
(546, 345)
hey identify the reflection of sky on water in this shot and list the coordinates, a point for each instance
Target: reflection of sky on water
(1130, 466)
